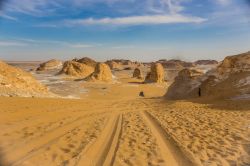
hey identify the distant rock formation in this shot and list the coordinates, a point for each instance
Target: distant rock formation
(137, 73)
(102, 73)
(16, 82)
(50, 65)
(156, 74)
(235, 63)
(175, 64)
(76, 69)
(87, 61)
(206, 62)
(114, 65)
(231, 79)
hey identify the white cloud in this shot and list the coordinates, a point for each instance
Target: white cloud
(11, 43)
(31, 42)
(80, 45)
(123, 47)
(7, 16)
(223, 2)
(136, 20)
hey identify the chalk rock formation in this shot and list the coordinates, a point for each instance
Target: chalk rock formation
(184, 84)
(16, 82)
(102, 73)
(206, 62)
(87, 61)
(76, 69)
(50, 65)
(114, 65)
(235, 63)
(156, 74)
(137, 73)
(231, 79)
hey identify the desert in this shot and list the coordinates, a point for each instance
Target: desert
(124, 83)
(94, 115)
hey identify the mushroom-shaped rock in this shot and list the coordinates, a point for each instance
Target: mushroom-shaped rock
(76, 69)
(156, 74)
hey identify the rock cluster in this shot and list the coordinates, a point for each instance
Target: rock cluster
(206, 62)
(231, 79)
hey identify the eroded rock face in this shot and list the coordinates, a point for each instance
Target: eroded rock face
(235, 63)
(87, 61)
(175, 64)
(137, 73)
(50, 65)
(231, 79)
(156, 74)
(16, 82)
(184, 85)
(76, 69)
(102, 73)
(206, 62)
(114, 65)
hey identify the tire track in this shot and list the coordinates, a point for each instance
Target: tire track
(102, 151)
(172, 154)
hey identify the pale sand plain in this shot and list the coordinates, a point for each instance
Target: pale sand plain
(112, 125)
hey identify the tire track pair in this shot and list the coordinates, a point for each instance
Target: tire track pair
(103, 151)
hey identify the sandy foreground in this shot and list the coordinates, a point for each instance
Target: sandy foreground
(109, 124)
(139, 131)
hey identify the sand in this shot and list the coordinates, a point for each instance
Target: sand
(111, 125)
(123, 132)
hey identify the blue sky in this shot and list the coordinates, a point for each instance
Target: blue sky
(143, 30)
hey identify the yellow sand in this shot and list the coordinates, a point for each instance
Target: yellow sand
(112, 125)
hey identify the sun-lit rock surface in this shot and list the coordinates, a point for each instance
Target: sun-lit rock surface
(16, 82)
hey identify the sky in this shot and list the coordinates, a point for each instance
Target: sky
(144, 30)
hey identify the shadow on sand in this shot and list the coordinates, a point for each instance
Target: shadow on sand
(219, 104)
(2, 160)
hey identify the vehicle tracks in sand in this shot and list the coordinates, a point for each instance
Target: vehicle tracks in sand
(103, 151)
(169, 150)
